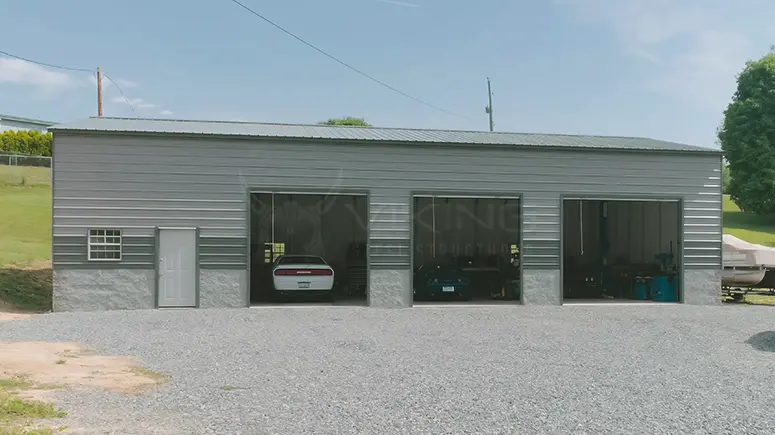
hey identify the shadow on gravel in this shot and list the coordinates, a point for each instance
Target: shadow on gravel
(763, 341)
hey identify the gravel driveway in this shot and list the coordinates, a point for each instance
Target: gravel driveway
(342, 370)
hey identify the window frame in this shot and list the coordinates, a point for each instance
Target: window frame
(105, 245)
(278, 248)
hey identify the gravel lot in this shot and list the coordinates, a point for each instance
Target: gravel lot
(341, 370)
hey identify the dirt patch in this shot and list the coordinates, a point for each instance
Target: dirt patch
(5, 316)
(9, 312)
(73, 366)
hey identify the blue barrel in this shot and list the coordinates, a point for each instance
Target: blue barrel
(663, 289)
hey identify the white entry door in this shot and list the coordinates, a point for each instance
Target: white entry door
(177, 268)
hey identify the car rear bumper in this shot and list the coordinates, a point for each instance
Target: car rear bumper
(303, 293)
(314, 284)
(437, 292)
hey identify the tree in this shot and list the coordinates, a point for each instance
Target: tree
(725, 178)
(349, 120)
(26, 142)
(747, 137)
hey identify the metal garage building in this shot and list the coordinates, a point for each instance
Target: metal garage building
(127, 189)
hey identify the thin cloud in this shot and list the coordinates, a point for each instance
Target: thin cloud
(137, 103)
(17, 71)
(694, 51)
(399, 3)
(48, 83)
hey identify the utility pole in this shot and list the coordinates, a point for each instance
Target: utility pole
(488, 109)
(99, 92)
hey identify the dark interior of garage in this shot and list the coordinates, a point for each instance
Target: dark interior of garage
(333, 227)
(621, 250)
(466, 249)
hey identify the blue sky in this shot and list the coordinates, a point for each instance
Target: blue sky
(657, 68)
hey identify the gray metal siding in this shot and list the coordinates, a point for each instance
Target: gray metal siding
(541, 229)
(223, 253)
(390, 229)
(139, 182)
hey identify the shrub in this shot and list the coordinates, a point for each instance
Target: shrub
(26, 142)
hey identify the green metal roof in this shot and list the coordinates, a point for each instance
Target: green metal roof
(370, 134)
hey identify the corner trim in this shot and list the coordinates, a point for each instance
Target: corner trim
(248, 244)
(156, 231)
(196, 265)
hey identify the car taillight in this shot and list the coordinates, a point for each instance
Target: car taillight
(303, 272)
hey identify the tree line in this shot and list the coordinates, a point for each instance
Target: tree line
(747, 137)
(26, 142)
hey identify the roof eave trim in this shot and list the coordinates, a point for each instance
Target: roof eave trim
(28, 121)
(698, 150)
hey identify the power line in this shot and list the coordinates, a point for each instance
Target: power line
(67, 68)
(48, 64)
(131, 106)
(345, 64)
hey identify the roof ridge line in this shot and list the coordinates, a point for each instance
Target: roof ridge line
(373, 127)
(126, 125)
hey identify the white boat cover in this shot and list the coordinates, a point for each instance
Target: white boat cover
(739, 253)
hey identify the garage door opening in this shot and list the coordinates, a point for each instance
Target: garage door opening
(466, 249)
(620, 250)
(308, 248)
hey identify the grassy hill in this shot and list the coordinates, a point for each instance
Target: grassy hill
(25, 238)
(751, 228)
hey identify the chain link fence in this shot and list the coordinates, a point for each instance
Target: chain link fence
(24, 169)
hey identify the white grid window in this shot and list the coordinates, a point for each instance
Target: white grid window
(105, 244)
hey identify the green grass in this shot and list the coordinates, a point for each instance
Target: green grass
(25, 224)
(17, 414)
(23, 383)
(760, 299)
(15, 383)
(25, 175)
(21, 429)
(749, 227)
(25, 246)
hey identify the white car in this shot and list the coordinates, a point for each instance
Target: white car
(302, 274)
